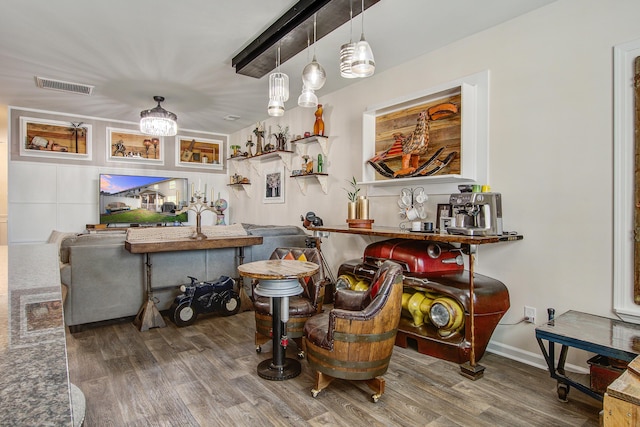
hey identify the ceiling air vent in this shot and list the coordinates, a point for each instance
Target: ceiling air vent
(62, 86)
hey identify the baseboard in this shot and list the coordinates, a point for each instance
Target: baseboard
(528, 358)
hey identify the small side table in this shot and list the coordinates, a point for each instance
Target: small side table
(279, 280)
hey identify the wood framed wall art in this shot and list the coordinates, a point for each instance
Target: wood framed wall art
(55, 138)
(130, 146)
(435, 136)
(197, 152)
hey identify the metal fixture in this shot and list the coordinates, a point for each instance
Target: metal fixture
(158, 121)
(363, 64)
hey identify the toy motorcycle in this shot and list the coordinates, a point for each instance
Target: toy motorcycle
(204, 297)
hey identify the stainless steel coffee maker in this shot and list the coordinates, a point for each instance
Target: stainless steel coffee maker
(476, 214)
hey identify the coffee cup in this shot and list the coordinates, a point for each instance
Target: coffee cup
(412, 214)
(416, 226)
(428, 226)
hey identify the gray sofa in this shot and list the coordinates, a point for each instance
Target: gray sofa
(105, 281)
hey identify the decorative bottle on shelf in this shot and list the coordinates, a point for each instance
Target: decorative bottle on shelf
(318, 126)
(320, 162)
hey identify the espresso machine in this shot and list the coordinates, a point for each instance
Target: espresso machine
(476, 214)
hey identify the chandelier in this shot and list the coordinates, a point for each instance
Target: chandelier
(158, 121)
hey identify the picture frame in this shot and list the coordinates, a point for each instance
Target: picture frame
(195, 152)
(130, 146)
(464, 134)
(69, 140)
(273, 185)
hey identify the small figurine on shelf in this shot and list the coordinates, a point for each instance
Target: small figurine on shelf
(236, 150)
(259, 133)
(249, 145)
(305, 165)
(318, 126)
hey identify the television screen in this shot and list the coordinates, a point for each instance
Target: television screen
(135, 199)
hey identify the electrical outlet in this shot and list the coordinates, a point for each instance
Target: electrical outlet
(529, 314)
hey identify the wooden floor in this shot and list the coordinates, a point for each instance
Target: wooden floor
(205, 375)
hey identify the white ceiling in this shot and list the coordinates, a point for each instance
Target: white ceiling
(132, 50)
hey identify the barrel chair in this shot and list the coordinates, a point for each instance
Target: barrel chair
(301, 307)
(354, 340)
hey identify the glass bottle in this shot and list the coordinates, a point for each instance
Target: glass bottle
(318, 126)
(320, 162)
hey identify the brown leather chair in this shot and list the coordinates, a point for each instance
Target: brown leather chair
(301, 307)
(354, 341)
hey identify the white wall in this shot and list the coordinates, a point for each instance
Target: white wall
(550, 156)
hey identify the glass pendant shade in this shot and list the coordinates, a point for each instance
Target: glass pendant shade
(307, 98)
(346, 57)
(363, 64)
(313, 75)
(275, 108)
(158, 121)
(279, 86)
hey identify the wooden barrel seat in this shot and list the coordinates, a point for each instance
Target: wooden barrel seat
(354, 341)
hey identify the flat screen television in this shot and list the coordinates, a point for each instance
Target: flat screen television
(142, 200)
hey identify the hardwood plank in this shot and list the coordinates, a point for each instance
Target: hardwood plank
(205, 375)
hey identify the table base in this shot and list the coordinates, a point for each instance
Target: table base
(291, 368)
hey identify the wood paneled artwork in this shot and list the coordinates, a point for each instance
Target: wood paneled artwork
(198, 152)
(48, 137)
(420, 140)
(126, 144)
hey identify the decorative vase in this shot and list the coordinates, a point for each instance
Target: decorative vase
(351, 212)
(318, 126)
(259, 145)
(362, 208)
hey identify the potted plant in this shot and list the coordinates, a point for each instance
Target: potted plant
(281, 137)
(353, 197)
(236, 150)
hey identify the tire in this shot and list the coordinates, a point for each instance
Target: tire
(232, 306)
(184, 314)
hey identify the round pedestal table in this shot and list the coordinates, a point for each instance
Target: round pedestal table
(278, 280)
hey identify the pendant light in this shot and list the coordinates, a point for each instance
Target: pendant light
(158, 121)
(346, 50)
(278, 90)
(313, 75)
(363, 64)
(307, 98)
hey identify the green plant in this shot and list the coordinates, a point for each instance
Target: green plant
(353, 194)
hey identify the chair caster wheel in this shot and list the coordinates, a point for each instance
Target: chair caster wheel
(375, 398)
(301, 355)
(258, 349)
(314, 393)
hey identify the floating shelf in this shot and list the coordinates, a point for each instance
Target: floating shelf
(302, 144)
(302, 181)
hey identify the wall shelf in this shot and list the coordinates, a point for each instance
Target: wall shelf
(302, 181)
(285, 155)
(302, 144)
(239, 187)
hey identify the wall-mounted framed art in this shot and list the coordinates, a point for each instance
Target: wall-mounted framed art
(273, 186)
(130, 146)
(444, 127)
(194, 152)
(55, 138)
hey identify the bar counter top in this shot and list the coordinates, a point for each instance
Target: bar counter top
(34, 385)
